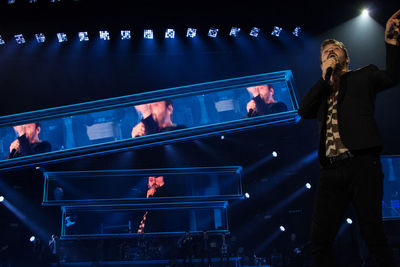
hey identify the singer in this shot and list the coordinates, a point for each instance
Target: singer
(28, 142)
(263, 102)
(343, 103)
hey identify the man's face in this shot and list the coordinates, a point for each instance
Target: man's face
(155, 181)
(265, 91)
(333, 50)
(160, 111)
(31, 131)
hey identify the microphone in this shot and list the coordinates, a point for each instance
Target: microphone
(328, 74)
(250, 113)
(13, 152)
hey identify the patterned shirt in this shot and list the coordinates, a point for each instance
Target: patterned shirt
(334, 145)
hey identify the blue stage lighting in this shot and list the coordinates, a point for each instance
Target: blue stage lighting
(83, 36)
(212, 32)
(32, 1)
(296, 31)
(40, 38)
(247, 195)
(62, 37)
(10, 2)
(282, 228)
(104, 35)
(234, 31)
(274, 154)
(191, 32)
(125, 35)
(277, 31)
(222, 137)
(349, 221)
(19, 38)
(1, 198)
(2, 41)
(254, 32)
(32, 239)
(148, 34)
(169, 33)
(308, 185)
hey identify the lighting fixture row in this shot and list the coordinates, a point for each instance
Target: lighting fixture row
(149, 34)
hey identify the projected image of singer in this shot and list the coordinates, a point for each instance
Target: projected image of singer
(157, 118)
(343, 102)
(28, 142)
(263, 101)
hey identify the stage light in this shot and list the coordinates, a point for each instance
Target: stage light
(32, 239)
(254, 32)
(169, 33)
(191, 32)
(234, 31)
(125, 35)
(212, 32)
(308, 185)
(349, 221)
(83, 36)
(2, 41)
(10, 2)
(277, 31)
(32, 1)
(19, 38)
(40, 38)
(105, 35)
(222, 137)
(246, 195)
(296, 31)
(148, 34)
(282, 228)
(62, 37)
(1, 198)
(365, 12)
(274, 154)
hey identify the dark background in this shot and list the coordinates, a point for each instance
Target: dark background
(36, 76)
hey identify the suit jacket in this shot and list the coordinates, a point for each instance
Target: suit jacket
(356, 104)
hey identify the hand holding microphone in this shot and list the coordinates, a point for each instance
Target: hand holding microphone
(328, 66)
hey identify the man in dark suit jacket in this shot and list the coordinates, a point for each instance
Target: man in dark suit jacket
(343, 103)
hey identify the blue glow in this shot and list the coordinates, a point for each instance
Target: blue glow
(10, 2)
(296, 32)
(125, 35)
(83, 36)
(213, 32)
(169, 33)
(19, 38)
(191, 32)
(32, 239)
(277, 31)
(254, 32)
(32, 1)
(148, 34)
(1, 198)
(40, 38)
(2, 41)
(104, 35)
(62, 37)
(234, 31)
